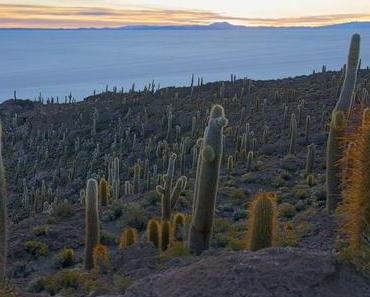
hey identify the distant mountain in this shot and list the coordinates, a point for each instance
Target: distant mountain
(213, 26)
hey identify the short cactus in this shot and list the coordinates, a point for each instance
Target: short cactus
(262, 221)
(178, 227)
(128, 237)
(206, 182)
(153, 232)
(92, 233)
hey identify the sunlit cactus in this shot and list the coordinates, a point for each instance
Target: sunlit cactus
(206, 182)
(355, 207)
(262, 222)
(128, 237)
(153, 232)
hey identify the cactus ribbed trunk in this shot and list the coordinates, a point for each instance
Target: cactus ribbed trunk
(92, 233)
(334, 153)
(345, 99)
(206, 183)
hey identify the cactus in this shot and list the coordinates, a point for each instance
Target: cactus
(310, 160)
(230, 164)
(206, 182)
(293, 135)
(101, 258)
(137, 170)
(262, 221)
(128, 237)
(178, 227)
(103, 191)
(345, 99)
(92, 233)
(153, 232)
(165, 234)
(334, 153)
(250, 161)
(169, 194)
(307, 129)
(355, 208)
(3, 215)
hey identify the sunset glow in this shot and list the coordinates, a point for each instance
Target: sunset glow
(74, 14)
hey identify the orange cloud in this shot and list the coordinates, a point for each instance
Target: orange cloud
(39, 16)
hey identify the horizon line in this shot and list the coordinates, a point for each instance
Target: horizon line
(179, 26)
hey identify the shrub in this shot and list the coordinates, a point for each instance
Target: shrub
(287, 210)
(107, 238)
(65, 258)
(122, 283)
(62, 209)
(40, 230)
(177, 249)
(36, 248)
(134, 216)
(66, 283)
(237, 194)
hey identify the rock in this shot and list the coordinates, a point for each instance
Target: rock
(283, 272)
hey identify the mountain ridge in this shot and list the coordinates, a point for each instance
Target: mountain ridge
(212, 26)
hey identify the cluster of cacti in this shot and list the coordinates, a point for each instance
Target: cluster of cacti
(169, 191)
(206, 183)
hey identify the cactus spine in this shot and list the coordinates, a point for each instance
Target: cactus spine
(3, 215)
(334, 154)
(356, 201)
(206, 182)
(92, 233)
(262, 221)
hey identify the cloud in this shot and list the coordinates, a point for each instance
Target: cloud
(42, 16)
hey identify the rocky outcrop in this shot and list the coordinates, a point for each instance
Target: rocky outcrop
(283, 272)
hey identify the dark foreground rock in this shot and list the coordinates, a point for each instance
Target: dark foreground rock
(279, 272)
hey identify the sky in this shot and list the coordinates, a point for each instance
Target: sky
(115, 13)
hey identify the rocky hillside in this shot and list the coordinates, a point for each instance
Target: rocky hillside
(51, 149)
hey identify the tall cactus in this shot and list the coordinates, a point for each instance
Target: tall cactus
(262, 221)
(137, 170)
(345, 99)
(3, 214)
(92, 232)
(169, 193)
(355, 208)
(206, 182)
(310, 160)
(334, 153)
